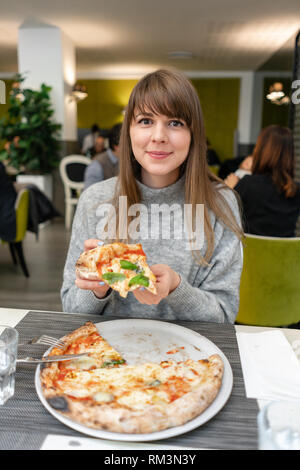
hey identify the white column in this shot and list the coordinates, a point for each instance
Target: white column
(250, 107)
(47, 55)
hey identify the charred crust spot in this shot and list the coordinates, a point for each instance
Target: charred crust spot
(58, 403)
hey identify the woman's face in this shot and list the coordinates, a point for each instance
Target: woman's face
(160, 144)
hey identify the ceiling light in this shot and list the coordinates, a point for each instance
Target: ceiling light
(79, 92)
(277, 95)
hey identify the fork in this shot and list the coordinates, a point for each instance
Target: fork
(45, 359)
(45, 339)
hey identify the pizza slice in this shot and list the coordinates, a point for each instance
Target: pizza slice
(86, 339)
(123, 267)
(140, 398)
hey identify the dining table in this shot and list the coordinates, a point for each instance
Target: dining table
(25, 423)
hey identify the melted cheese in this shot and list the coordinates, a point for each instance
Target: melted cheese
(134, 386)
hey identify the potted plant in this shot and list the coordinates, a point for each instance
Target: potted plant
(30, 136)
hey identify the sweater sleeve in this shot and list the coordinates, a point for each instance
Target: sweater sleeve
(214, 296)
(75, 300)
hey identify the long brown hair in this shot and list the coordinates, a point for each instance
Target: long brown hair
(274, 155)
(171, 94)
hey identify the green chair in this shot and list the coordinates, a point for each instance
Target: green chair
(22, 211)
(270, 282)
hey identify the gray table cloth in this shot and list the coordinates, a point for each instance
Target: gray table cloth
(25, 423)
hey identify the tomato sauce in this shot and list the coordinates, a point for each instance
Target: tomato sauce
(86, 341)
(176, 387)
(126, 255)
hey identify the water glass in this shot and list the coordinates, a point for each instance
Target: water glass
(279, 426)
(8, 356)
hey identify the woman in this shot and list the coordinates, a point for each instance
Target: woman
(163, 166)
(270, 196)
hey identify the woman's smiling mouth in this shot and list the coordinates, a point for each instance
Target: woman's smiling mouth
(158, 154)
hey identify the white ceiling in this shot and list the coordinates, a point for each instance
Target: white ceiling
(132, 36)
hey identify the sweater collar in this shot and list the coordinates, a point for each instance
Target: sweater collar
(170, 192)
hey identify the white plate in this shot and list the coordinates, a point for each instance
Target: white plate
(151, 340)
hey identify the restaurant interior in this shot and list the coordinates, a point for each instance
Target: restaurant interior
(67, 70)
(93, 57)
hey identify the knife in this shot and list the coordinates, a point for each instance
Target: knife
(66, 357)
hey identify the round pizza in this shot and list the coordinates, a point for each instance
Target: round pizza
(102, 391)
(122, 266)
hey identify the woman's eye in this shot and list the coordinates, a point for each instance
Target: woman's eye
(145, 121)
(176, 123)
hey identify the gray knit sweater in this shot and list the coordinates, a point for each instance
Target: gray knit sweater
(209, 293)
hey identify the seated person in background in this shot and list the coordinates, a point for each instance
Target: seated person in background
(8, 197)
(230, 165)
(212, 156)
(270, 196)
(104, 165)
(89, 140)
(98, 147)
(245, 168)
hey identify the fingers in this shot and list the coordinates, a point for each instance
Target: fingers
(92, 243)
(146, 297)
(99, 288)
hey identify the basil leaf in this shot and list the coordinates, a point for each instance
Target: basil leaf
(140, 279)
(111, 278)
(128, 265)
(155, 383)
(112, 363)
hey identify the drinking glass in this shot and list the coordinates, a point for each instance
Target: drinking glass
(8, 356)
(279, 426)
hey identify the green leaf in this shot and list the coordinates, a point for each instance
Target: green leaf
(140, 279)
(111, 278)
(112, 363)
(24, 144)
(128, 265)
(3, 155)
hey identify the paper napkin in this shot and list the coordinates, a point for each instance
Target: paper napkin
(270, 367)
(61, 442)
(11, 317)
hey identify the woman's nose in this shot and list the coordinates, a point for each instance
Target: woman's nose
(159, 133)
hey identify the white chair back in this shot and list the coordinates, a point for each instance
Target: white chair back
(73, 181)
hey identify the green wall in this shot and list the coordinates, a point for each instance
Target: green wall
(105, 102)
(4, 107)
(219, 99)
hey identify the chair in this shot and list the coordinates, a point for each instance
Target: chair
(270, 282)
(22, 211)
(72, 170)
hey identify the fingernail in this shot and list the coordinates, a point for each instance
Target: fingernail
(101, 283)
(100, 243)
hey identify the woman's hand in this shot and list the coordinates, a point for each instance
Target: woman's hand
(167, 281)
(232, 180)
(99, 288)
